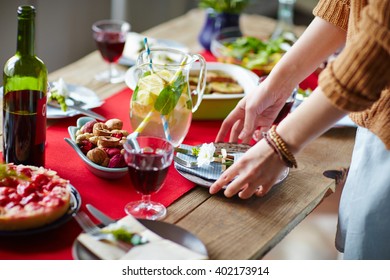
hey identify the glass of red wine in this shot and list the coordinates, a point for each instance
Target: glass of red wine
(110, 37)
(286, 107)
(148, 162)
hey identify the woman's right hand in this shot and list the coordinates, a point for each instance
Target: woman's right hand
(255, 111)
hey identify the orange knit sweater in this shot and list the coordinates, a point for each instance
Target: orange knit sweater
(358, 81)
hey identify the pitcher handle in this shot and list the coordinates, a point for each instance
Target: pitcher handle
(202, 82)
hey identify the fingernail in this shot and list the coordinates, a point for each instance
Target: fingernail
(242, 135)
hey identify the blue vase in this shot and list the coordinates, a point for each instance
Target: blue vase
(215, 22)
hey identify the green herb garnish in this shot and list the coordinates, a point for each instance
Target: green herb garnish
(60, 99)
(126, 236)
(6, 172)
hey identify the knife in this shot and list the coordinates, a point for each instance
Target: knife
(86, 112)
(103, 218)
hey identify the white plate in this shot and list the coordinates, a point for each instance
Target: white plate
(247, 79)
(205, 178)
(135, 44)
(81, 93)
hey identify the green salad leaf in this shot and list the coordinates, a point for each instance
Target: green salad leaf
(253, 52)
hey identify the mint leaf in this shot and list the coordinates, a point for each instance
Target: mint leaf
(169, 96)
(135, 93)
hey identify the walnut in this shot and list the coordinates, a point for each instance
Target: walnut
(84, 136)
(114, 124)
(108, 142)
(94, 140)
(98, 156)
(100, 129)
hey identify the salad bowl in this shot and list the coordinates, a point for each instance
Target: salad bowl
(252, 53)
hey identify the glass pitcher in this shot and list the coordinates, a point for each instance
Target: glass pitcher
(162, 103)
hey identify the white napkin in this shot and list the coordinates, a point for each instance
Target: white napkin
(157, 247)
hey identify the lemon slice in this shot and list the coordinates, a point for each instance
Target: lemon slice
(165, 75)
(145, 97)
(152, 83)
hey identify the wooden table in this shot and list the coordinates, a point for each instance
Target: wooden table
(234, 228)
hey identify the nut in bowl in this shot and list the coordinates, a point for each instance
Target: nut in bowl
(100, 146)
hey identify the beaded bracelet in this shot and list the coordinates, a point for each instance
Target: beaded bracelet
(274, 140)
(274, 147)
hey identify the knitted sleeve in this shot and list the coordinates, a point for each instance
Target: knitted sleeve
(354, 81)
(333, 11)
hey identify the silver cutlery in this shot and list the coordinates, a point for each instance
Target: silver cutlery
(189, 152)
(182, 162)
(136, 239)
(76, 102)
(79, 109)
(103, 218)
(90, 228)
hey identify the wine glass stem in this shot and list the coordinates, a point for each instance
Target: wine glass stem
(111, 71)
(146, 198)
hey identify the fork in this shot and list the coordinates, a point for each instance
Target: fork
(89, 227)
(182, 162)
(76, 102)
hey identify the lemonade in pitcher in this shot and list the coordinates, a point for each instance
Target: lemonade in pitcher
(162, 104)
(143, 101)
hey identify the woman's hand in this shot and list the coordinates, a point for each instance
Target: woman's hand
(253, 174)
(256, 111)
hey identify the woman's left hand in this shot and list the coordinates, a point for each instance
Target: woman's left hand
(253, 174)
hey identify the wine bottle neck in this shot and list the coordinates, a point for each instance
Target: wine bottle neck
(26, 31)
(285, 23)
(286, 12)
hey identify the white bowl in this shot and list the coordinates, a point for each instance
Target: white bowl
(100, 171)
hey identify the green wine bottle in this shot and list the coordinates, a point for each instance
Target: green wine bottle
(25, 97)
